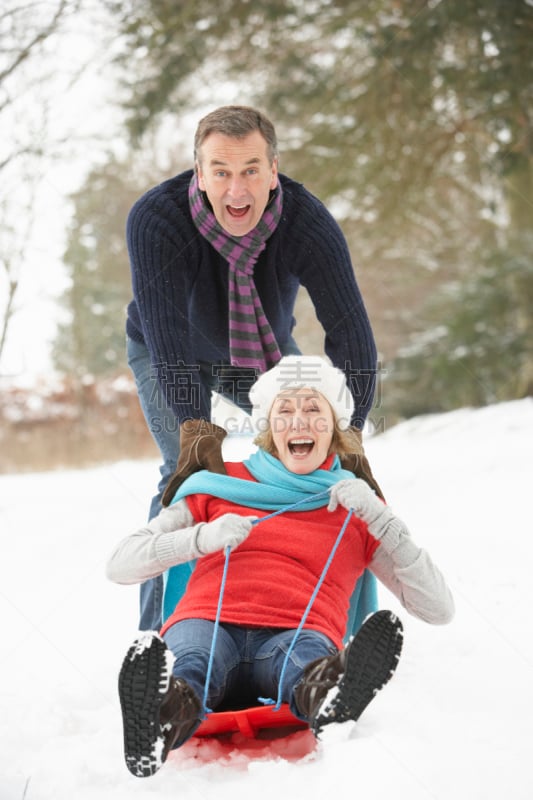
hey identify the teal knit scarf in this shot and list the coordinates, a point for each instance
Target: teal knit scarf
(274, 488)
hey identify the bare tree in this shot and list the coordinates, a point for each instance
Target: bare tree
(29, 33)
(13, 239)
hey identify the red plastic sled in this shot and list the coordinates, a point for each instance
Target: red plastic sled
(251, 722)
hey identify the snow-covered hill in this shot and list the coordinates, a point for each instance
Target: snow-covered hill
(455, 722)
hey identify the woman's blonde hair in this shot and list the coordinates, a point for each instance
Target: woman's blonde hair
(342, 442)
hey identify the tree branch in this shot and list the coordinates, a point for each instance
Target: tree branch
(37, 39)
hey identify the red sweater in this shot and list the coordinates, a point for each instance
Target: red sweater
(273, 573)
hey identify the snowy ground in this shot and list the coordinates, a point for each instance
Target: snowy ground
(455, 722)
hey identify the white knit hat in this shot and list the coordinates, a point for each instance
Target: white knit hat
(298, 372)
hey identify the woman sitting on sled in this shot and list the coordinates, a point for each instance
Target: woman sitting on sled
(303, 407)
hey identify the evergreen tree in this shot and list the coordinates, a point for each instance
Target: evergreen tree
(91, 340)
(477, 347)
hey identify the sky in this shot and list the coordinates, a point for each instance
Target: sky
(455, 721)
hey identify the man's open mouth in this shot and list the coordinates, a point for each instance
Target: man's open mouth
(301, 447)
(238, 211)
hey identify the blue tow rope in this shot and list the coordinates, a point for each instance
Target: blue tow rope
(269, 701)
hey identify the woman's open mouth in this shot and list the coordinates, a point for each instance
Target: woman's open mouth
(301, 447)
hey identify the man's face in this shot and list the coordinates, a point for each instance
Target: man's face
(237, 177)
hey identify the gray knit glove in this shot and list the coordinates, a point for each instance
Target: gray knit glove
(357, 495)
(229, 530)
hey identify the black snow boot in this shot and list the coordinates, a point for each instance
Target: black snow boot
(158, 710)
(338, 688)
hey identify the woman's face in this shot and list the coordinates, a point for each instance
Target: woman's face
(302, 425)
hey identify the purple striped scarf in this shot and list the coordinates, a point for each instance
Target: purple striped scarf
(251, 340)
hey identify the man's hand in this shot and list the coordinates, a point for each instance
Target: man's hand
(357, 463)
(200, 448)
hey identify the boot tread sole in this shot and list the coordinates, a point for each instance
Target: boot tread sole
(143, 682)
(371, 659)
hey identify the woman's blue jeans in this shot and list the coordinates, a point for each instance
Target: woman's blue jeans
(164, 427)
(247, 662)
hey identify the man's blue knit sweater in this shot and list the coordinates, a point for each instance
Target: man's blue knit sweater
(180, 292)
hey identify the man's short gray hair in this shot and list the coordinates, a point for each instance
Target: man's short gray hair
(236, 122)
